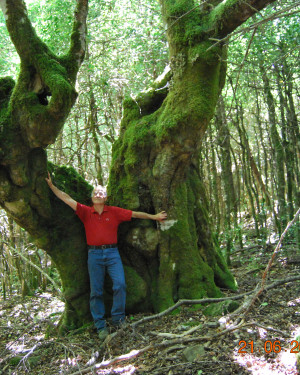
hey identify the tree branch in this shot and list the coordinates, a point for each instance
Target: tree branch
(280, 14)
(78, 37)
(21, 32)
(229, 15)
(46, 82)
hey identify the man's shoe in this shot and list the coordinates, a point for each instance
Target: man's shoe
(118, 325)
(102, 334)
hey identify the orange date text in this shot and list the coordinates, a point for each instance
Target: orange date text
(269, 347)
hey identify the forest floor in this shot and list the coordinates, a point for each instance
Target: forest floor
(182, 342)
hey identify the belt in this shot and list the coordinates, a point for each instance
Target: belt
(102, 247)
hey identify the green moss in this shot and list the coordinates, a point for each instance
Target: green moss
(137, 288)
(220, 13)
(220, 308)
(32, 360)
(188, 21)
(131, 112)
(134, 144)
(123, 191)
(7, 85)
(69, 181)
(193, 95)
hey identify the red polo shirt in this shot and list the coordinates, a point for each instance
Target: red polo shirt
(102, 229)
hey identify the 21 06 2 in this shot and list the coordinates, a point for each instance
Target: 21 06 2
(269, 346)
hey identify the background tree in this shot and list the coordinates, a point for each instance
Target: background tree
(254, 170)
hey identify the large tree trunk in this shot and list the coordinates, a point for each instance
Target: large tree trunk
(154, 163)
(33, 112)
(155, 168)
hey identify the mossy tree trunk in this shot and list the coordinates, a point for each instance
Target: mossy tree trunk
(32, 113)
(155, 162)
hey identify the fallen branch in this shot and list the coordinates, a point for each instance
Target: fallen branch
(210, 300)
(246, 249)
(174, 335)
(282, 333)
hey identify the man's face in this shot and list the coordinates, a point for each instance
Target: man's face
(99, 194)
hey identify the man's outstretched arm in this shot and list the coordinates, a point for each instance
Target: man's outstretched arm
(60, 194)
(161, 216)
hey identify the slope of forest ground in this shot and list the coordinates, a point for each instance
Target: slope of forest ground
(268, 331)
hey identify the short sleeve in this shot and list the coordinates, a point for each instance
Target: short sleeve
(122, 214)
(82, 211)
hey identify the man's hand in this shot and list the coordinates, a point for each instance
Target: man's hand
(161, 216)
(49, 181)
(60, 194)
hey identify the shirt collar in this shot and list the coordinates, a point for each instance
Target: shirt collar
(105, 209)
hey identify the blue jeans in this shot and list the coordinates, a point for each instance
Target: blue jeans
(100, 261)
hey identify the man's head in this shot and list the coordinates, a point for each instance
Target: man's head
(99, 195)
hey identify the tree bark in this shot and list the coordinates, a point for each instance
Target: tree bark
(155, 160)
(223, 140)
(278, 149)
(33, 112)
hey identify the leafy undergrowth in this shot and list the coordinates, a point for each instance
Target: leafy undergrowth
(262, 343)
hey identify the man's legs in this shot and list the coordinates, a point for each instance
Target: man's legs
(116, 272)
(96, 266)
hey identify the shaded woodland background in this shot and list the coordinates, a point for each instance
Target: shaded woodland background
(249, 159)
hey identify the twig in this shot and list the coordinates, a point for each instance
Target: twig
(28, 330)
(174, 335)
(273, 16)
(241, 67)
(284, 334)
(179, 343)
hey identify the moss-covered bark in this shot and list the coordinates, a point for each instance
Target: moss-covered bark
(32, 112)
(154, 164)
(153, 170)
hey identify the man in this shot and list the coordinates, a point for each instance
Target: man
(101, 224)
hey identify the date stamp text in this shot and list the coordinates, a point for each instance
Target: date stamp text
(268, 347)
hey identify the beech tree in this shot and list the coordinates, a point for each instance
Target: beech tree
(154, 164)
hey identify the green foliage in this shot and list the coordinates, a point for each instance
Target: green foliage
(53, 22)
(69, 181)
